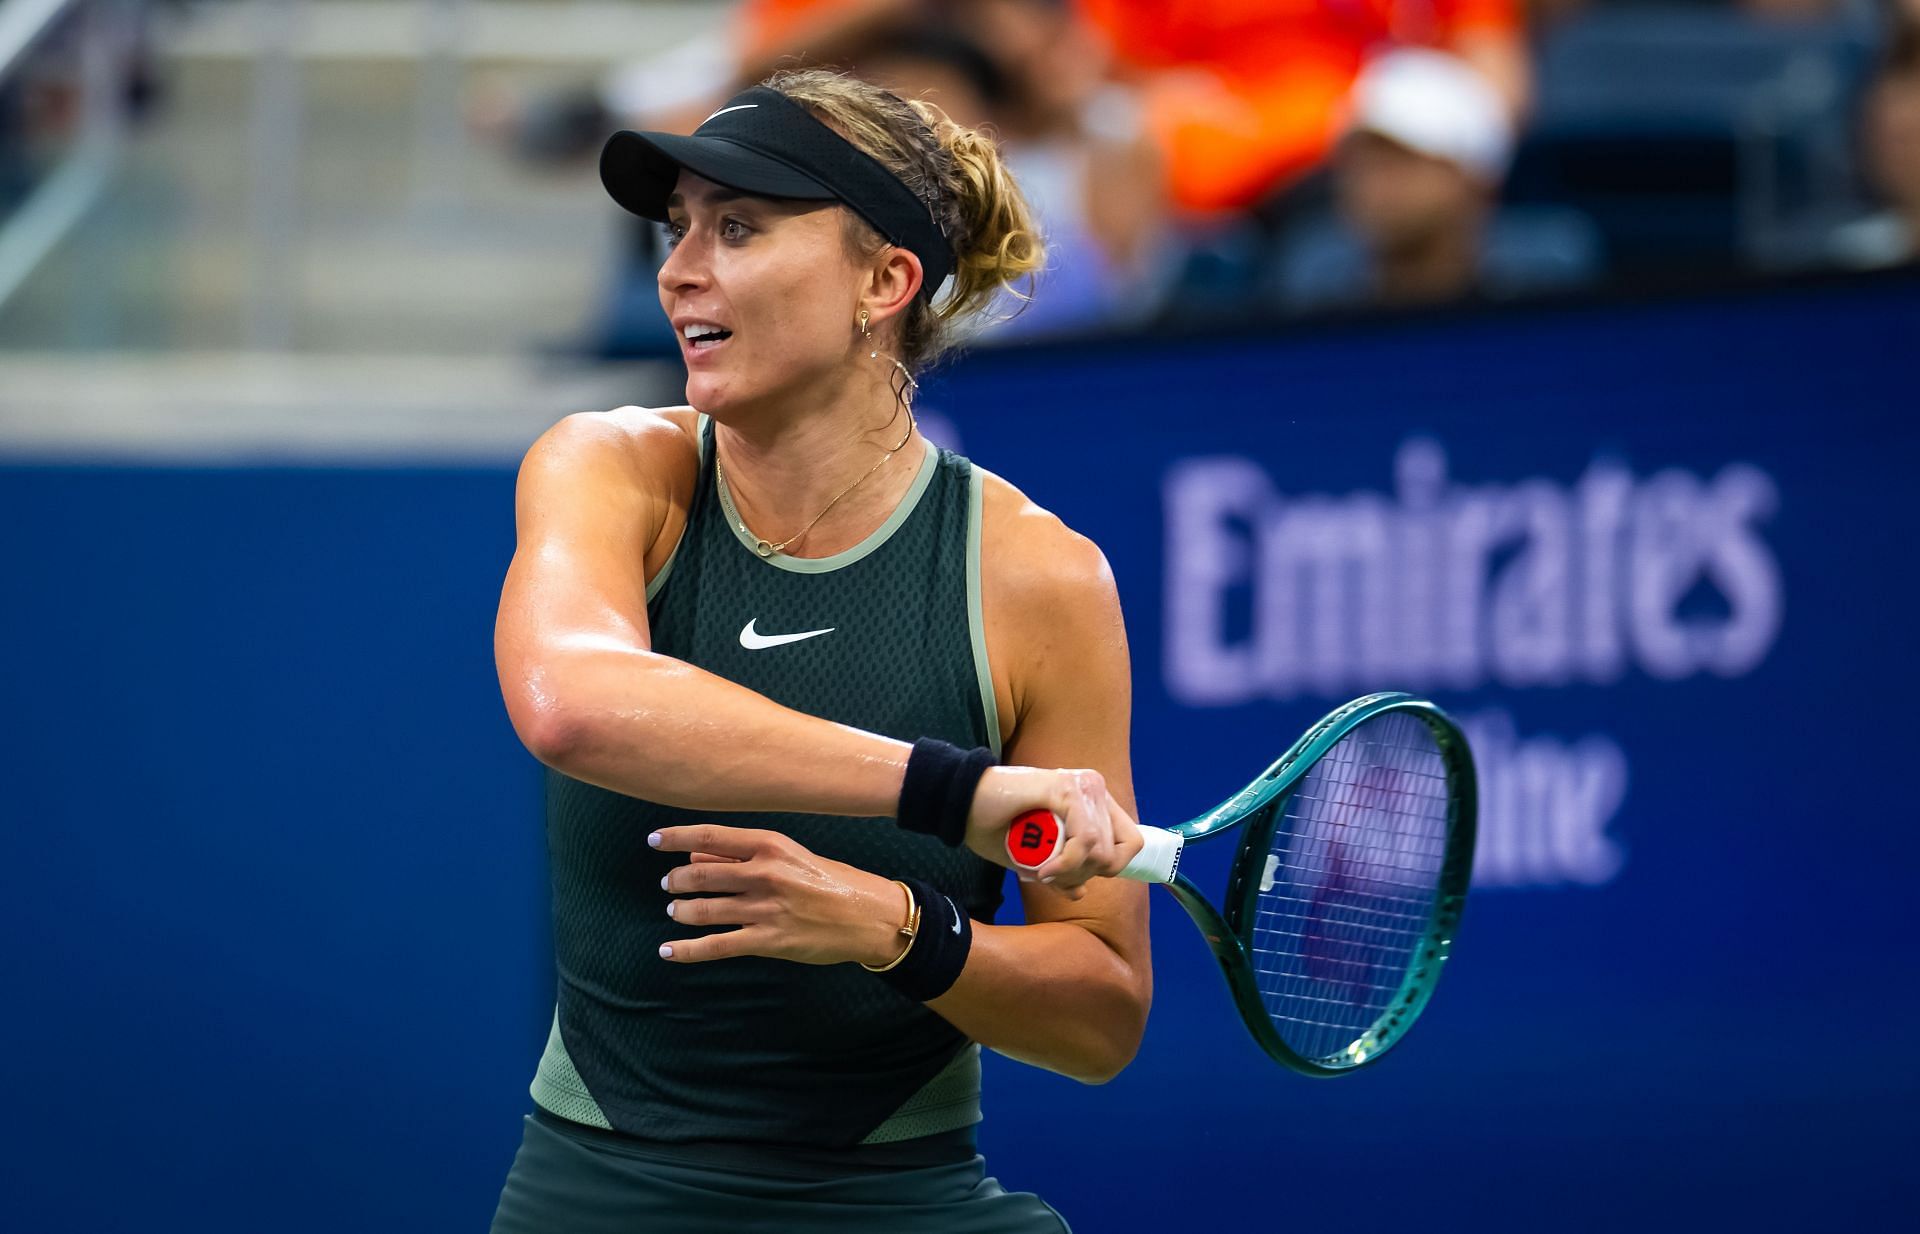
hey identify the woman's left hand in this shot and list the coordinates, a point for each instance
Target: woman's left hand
(787, 903)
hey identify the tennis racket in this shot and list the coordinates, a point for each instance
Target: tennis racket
(1344, 896)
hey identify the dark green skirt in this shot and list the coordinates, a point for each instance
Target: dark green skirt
(568, 1180)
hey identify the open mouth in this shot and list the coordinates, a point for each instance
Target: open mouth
(703, 337)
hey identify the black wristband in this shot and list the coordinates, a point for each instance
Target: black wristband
(938, 952)
(937, 793)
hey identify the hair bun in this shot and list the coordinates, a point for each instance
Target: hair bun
(998, 244)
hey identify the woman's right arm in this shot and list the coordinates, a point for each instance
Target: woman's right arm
(584, 690)
(589, 697)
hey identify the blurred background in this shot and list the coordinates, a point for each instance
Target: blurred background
(1555, 359)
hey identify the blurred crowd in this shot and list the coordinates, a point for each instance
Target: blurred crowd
(1279, 157)
(1208, 159)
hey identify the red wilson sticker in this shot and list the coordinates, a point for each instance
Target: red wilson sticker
(1031, 839)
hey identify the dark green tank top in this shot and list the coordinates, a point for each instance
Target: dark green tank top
(758, 1050)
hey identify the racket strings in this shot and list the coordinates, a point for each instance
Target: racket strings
(1349, 886)
(1269, 905)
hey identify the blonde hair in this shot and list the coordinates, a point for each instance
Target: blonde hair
(958, 172)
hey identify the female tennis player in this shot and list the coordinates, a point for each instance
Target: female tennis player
(793, 671)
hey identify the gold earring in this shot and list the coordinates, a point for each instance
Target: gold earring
(867, 334)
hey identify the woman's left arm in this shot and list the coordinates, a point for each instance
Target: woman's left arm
(1068, 991)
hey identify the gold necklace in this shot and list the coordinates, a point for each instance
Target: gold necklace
(767, 548)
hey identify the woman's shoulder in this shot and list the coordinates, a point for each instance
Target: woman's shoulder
(656, 428)
(642, 461)
(1051, 604)
(652, 441)
(1030, 556)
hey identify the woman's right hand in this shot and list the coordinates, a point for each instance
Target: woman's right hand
(1098, 836)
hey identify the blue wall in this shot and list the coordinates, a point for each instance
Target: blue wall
(274, 890)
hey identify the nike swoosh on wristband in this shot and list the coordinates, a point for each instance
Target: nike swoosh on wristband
(753, 640)
(956, 913)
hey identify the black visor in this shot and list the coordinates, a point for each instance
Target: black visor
(762, 142)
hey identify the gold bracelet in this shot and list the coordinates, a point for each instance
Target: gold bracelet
(907, 931)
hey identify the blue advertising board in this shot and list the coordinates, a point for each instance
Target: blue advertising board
(274, 891)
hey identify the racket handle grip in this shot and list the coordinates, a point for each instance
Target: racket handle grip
(1034, 835)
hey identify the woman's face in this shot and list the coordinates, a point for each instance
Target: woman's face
(776, 279)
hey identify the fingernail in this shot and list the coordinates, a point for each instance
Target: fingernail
(1047, 879)
(663, 882)
(671, 906)
(666, 951)
(654, 839)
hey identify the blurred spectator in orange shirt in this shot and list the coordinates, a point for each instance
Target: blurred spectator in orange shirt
(1244, 95)
(1079, 144)
(1038, 73)
(674, 89)
(771, 34)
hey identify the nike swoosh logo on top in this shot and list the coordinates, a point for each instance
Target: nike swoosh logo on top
(956, 913)
(753, 640)
(724, 110)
